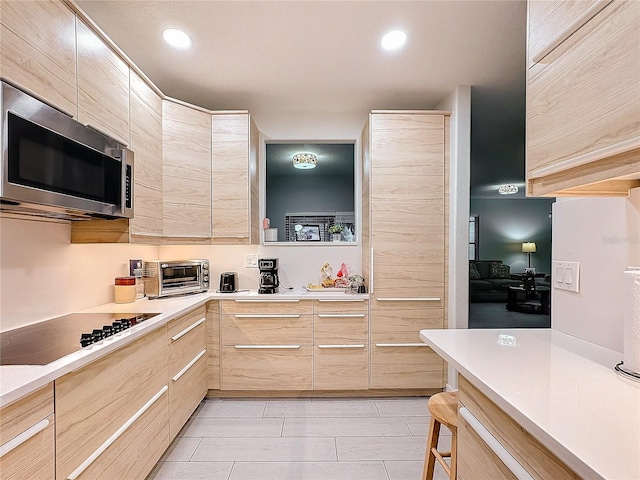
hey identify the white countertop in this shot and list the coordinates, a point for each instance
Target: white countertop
(16, 381)
(562, 390)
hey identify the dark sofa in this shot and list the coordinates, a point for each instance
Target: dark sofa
(489, 281)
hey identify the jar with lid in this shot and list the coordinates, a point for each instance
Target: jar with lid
(124, 290)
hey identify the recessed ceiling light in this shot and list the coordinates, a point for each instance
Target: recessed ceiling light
(177, 38)
(393, 40)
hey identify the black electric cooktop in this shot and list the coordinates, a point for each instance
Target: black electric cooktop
(47, 341)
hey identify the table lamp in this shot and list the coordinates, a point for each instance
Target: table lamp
(529, 248)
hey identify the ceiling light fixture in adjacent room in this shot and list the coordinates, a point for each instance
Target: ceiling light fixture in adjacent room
(177, 38)
(305, 160)
(393, 40)
(507, 189)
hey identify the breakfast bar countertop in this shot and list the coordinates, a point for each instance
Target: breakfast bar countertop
(562, 390)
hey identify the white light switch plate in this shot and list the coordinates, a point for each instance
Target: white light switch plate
(566, 276)
(251, 260)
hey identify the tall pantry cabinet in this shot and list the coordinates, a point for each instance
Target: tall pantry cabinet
(404, 253)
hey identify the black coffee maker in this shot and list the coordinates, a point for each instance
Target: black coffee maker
(268, 275)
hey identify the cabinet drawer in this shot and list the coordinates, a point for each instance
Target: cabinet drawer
(348, 305)
(301, 307)
(181, 325)
(582, 104)
(135, 448)
(341, 328)
(261, 329)
(401, 322)
(183, 350)
(93, 402)
(187, 388)
(341, 367)
(34, 457)
(25, 413)
(405, 366)
(276, 368)
(516, 440)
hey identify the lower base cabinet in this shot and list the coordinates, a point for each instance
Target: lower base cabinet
(27, 437)
(405, 366)
(269, 367)
(108, 409)
(479, 417)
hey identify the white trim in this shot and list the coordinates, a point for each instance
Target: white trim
(188, 329)
(21, 438)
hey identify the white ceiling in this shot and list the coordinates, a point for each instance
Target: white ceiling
(312, 70)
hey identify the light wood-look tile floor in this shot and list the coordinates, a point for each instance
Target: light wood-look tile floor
(302, 439)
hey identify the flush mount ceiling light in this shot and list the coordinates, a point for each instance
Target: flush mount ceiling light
(393, 40)
(177, 38)
(507, 189)
(305, 160)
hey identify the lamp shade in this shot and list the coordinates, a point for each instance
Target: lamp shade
(528, 247)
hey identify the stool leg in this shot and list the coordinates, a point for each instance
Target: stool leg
(454, 455)
(432, 441)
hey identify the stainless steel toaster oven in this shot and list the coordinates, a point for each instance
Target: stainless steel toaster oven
(175, 277)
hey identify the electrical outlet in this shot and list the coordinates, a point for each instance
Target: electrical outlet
(251, 260)
(566, 276)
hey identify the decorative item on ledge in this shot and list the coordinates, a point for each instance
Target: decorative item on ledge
(507, 189)
(336, 232)
(305, 160)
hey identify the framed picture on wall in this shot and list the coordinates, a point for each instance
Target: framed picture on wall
(308, 233)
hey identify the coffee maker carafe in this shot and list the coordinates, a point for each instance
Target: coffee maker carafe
(268, 275)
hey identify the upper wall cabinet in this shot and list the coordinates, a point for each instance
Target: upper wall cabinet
(103, 86)
(38, 50)
(234, 179)
(583, 98)
(186, 144)
(146, 142)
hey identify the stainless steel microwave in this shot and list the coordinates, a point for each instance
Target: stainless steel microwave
(54, 166)
(175, 277)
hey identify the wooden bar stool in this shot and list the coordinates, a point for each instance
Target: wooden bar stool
(444, 411)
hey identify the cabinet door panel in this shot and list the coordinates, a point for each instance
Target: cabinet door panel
(551, 22)
(230, 175)
(332, 328)
(585, 97)
(146, 142)
(300, 307)
(186, 151)
(348, 305)
(26, 412)
(401, 322)
(42, 59)
(103, 86)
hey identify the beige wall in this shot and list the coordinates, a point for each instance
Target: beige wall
(603, 234)
(42, 275)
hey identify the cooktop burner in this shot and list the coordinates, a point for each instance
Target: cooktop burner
(45, 342)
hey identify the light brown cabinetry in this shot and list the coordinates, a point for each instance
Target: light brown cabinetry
(266, 345)
(27, 437)
(341, 345)
(405, 246)
(146, 143)
(583, 98)
(213, 345)
(106, 410)
(187, 366)
(234, 179)
(477, 460)
(186, 144)
(38, 50)
(103, 85)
